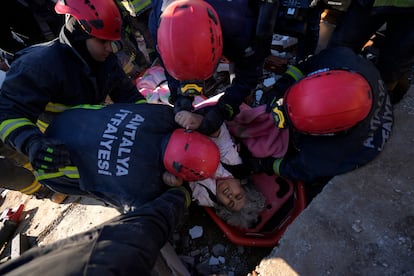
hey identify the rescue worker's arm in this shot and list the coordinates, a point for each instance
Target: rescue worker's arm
(23, 98)
(247, 72)
(288, 78)
(25, 93)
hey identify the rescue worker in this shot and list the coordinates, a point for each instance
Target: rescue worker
(124, 158)
(338, 112)
(128, 243)
(45, 79)
(396, 53)
(135, 152)
(193, 35)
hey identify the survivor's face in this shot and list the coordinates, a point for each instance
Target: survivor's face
(230, 193)
(99, 49)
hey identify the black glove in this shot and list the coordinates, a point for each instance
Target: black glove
(47, 155)
(277, 92)
(183, 103)
(215, 116)
(268, 165)
(212, 121)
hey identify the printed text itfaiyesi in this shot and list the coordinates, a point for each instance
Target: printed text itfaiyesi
(108, 152)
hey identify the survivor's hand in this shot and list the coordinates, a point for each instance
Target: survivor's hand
(47, 154)
(171, 180)
(188, 120)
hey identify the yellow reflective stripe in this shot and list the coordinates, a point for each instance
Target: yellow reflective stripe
(89, 106)
(56, 107)
(276, 165)
(69, 171)
(52, 108)
(294, 72)
(8, 126)
(138, 4)
(42, 125)
(28, 166)
(279, 116)
(43, 176)
(31, 188)
(141, 101)
(191, 86)
(135, 7)
(395, 3)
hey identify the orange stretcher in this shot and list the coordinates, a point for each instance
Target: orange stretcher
(285, 200)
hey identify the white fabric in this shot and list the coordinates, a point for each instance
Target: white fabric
(228, 155)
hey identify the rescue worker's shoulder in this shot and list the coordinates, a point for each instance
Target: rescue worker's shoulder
(49, 53)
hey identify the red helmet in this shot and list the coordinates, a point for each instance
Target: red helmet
(190, 40)
(99, 18)
(328, 102)
(191, 155)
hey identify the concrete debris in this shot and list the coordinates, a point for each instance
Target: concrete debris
(196, 232)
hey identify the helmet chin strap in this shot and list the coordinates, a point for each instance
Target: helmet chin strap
(77, 32)
(192, 88)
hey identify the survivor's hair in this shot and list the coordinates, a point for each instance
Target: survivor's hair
(248, 216)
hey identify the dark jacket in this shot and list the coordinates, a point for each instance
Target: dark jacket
(118, 150)
(52, 77)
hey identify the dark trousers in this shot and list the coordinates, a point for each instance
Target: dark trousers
(396, 55)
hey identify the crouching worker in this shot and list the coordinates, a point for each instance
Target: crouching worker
(129, 242)
(124, 157)
(118, 153)
(338, 113)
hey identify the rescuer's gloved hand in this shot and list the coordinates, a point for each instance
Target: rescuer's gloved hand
(47, 155)
(271, 97)
(212, 121)
(215, 116)
(289, 78)
(268, 165)
(183, 103)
